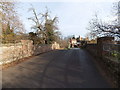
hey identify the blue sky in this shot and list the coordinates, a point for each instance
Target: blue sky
(73, 16)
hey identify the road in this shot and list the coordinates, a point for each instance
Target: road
(72, 68)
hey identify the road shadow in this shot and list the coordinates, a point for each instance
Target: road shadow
(57, 69)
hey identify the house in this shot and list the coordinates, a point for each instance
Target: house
(78, 42)
(73, 42)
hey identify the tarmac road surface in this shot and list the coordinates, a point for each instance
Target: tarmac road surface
(72, 68)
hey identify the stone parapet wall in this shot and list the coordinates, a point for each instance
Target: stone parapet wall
(41, 49)
(25, 48)
(55, 46)
(112, 67)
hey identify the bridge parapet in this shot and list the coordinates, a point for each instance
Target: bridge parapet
(16, 51)
(108, 55)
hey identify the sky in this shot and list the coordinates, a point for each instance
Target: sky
(73, 17)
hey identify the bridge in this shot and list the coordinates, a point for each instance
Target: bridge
(95, 66)
(74, 68)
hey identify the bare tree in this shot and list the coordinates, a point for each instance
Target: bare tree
(45, 26)
(100, 28)
(9, 15)
(11, 24)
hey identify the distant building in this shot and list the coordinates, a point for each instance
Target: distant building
(86, 39)
(93, 41)
(78, 42)
(73, 42)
